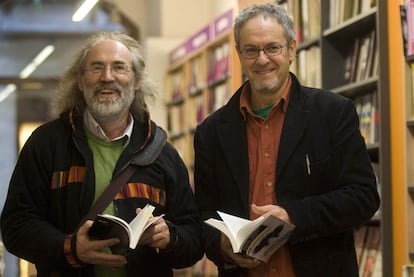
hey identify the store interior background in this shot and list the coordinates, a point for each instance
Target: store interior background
(27, 26)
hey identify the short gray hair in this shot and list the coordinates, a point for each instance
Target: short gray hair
(69, 97)
(265, 10)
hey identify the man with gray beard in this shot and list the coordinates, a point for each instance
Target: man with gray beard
(280, 148)
(67, 163)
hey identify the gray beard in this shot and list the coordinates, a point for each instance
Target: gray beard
(110, 109)
(266, 87)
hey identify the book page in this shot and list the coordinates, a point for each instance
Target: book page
(259, 238)
(138, 224)
(221, 226)
(233, 223)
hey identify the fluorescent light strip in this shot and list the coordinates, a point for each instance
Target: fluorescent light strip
(83, 10)
(9, 89)
(44, 54)
(40, 58)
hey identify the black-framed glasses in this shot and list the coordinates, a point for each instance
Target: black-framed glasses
(270, 50)
(118, 69)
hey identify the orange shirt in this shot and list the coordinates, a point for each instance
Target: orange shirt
(263, 137)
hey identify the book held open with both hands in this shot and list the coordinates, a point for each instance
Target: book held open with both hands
(258, 238)
(109, 226)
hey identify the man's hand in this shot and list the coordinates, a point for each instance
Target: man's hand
(239, 259)
(92, 251)
(157, 235)
(275, 210)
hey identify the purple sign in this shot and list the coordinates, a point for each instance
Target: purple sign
(223, 23)
(202, 37)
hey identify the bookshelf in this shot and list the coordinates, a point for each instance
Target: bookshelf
(204, 71)
(353, 46)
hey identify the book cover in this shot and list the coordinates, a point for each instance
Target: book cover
(258, 238)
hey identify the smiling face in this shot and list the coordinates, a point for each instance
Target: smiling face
(267, 74)
(108, 93)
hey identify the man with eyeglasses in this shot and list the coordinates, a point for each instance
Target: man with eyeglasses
(280, 148)
(67, 163)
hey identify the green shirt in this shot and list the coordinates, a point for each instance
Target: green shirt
(105, 157)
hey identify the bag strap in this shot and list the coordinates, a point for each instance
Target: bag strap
(145, 157)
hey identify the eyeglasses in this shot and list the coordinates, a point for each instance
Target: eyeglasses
(119, 69)
(270, 50)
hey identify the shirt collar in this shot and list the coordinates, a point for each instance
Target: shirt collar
(97, 130)
(245, 104)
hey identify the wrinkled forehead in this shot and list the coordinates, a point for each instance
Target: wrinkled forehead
(108, 51)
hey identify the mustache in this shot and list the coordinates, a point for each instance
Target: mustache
(107, 86)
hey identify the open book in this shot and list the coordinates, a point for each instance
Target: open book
(259, 238)
(108, 226)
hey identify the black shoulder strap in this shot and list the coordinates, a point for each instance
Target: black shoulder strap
(145, 157)
(150, 152)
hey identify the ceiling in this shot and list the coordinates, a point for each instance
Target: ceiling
(27, 26)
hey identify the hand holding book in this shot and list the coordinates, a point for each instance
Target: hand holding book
(108, 226)
(258, 239)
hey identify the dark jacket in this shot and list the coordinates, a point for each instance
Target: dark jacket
(52, 188)
(339, 194)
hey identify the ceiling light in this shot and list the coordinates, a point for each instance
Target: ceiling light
(9, 89)
(27, 70)
(36, 61)
(44, 54)
(83, 10)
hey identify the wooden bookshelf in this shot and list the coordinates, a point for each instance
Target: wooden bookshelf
(204, 71)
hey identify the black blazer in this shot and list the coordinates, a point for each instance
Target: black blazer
(339, 194)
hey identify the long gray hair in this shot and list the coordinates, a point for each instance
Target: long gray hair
(69, 97)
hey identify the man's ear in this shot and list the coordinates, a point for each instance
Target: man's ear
(292, 50)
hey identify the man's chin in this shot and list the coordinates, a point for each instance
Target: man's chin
(265, 87)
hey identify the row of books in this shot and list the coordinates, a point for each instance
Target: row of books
(308, 66)
(407, 26)
(218, 64)
(175, 87)
(197, 80)
(196, 110)
(367, 109)
(187, 115)
(307, 18)
(362, 61)
(217, 69)
(368, 250)
(217, 97)
(342, 10)
(176, 119)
